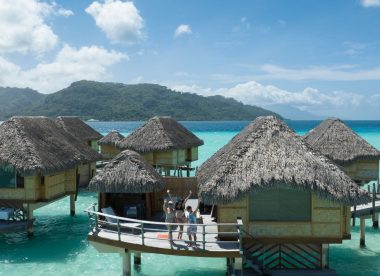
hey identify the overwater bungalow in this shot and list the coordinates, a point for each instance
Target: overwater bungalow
(38, 165)
(170, 148)
(340, 143)
(165, 144)
(127, 184)
(293, 201)
(89, 136)
(108, 144)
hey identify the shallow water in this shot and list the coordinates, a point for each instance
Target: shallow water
(59, 246)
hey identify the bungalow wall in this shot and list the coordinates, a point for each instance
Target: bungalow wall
(94, 145)
(363, 170)
(178, 186)
(42, 188)
(86, 172)
(329, 221)
(171, 159)
(109, 151)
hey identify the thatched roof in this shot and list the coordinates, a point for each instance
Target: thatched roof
(37, 145)
(128, 172)
(160, 134)
(267, 153)
(76, 127)
(337, 141)
(111, 138)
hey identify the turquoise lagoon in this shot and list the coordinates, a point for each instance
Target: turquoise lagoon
(59, 246)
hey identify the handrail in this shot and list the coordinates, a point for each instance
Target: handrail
(118, 224)
(151, 222)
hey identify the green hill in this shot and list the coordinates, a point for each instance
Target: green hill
(18, 101)
(115, 101)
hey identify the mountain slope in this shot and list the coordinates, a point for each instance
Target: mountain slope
(18, 101)
(114, 101)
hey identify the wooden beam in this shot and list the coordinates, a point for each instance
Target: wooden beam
(127, 263)
(72, 205)
(30, 217)
(362, 232)
(137, 258)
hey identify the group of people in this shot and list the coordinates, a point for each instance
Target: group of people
(176, 213)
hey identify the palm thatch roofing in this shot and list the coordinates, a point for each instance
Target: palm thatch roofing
(267, 153)
(160, 134)
(76, 127)
(128, 172)
(38, 145)
(334, 139)
(111, 138)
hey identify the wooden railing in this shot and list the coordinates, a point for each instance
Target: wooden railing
(122, 224)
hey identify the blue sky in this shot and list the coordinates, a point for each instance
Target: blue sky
(305, 59)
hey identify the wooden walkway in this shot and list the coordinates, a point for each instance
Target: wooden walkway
(152, 237)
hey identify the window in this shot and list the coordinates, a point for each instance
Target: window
(42, 180)
(280, 204)
(20, 180)
(7, 177)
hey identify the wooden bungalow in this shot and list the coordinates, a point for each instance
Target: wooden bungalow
(165, 144)
(127, 184)
(340, 143)
(108, 144)
(293, 201)
(89, 136)
(38, 164)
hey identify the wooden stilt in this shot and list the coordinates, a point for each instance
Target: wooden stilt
(375, 216)
(324, 259)
(376, 221)
(354, 216)
(30, 217)
(362, 232)
(127, 263)
(238, 266)
(72, 205)
(137, 258)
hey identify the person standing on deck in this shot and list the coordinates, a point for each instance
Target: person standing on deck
(192, 224)
(169, 211)
(180, 214)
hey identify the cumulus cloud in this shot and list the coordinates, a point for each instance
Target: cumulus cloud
(370, 3)
(69, 65)
(120, 21)
(340, 73)
(182, 29)
(23, 26)
(256, 93)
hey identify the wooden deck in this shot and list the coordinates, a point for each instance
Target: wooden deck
(155, 239)
(366, 209)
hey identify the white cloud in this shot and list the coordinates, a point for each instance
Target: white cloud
(182, 29)
(69, 65)
(23, 26)
(120, 21)
(370, 3)
(255, 93)
(320, 73)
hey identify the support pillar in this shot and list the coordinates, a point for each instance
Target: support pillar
(354, 216)
(238, 266)
(72, 204)
(30, 224)
(362, 231)
(325, 257)
(137, 258)
(375, 216)
(127, 270)
(376, 220)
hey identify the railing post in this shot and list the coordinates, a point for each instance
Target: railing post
(171, 236)
(240, 234)
(96, 220)
(204, 237)
(118, 228)
(142, 234)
